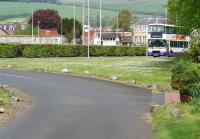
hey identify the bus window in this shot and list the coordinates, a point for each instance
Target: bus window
(157, 43)
(156, 28)
(170, 30)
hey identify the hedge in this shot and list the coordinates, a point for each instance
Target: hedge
(37, 51)
(8, 51)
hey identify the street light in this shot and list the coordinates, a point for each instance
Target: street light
(74, 34)
(100, 19)
(83, 37)
(38, 31)
(88, 29)
(32, 24)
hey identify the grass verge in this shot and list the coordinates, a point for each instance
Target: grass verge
(152, 71)
(187, 126)
(4, 96)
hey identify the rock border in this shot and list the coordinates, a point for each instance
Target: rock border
(19, 102)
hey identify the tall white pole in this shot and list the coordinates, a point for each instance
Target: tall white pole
(117, 23)
(38, 31)
(83, 39)
(100, 19)
(32, 25)
(167, 12)
(74, 34)
(88, 29)
(61, 30)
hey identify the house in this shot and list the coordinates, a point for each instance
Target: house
(49, 32)
(107, 38)
(91, 35)
(8, 26)
(140, 31)
(126, 38)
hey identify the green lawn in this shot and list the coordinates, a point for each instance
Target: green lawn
(4, 96)
(153, 71)
(187, 126)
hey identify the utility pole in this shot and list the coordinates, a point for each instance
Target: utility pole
(100, 20)
(83, 37)
(74, 34)
(88, 29)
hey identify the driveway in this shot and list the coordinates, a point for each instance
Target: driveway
(67, 107)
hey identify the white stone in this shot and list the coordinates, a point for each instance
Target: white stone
(87, 72)
(66, 71)
(175, 112)
(1, 100)
(132, 81)
(114, 77)
(2, 110)
(9, 66)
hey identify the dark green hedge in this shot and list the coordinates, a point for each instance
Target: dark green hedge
(8, 50)
(32, 51)
(37, 51)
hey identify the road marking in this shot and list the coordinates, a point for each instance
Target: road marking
(12, 75)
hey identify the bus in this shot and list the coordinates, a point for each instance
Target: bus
(166, 39)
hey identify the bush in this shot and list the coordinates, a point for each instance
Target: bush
(195, 49)
(184, 72)
(194, 91)
(8, 51)
(31, 51)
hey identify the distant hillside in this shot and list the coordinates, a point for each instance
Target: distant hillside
(145, 7)
(42, 1)
(140, 8)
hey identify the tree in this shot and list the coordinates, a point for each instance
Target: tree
(68, 26)
(185, 13)
(47, 18)
(125, 18)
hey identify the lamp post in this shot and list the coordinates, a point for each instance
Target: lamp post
(32, 24)
(74, 34)
(88, 29)
(100, 19)
(38, 31)
(83, 37)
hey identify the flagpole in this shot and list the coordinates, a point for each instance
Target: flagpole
(88, 29)
(100, 20)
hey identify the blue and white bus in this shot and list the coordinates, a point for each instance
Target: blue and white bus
(164, 39)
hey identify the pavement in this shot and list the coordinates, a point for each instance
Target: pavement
(67, 107)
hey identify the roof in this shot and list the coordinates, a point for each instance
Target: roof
(108, 34)
(147, 21)
(49, 32)
(4, 32)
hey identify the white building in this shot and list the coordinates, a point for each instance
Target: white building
(107, 38)
(140, 31)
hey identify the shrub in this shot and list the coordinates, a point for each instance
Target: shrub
(8, 51)
(195, 49)
(37, 51)
(194, 91)
(79, 50)
(184, 72)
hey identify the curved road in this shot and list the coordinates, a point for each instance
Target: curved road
(67, 107)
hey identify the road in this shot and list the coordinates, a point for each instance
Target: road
(67, 107)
